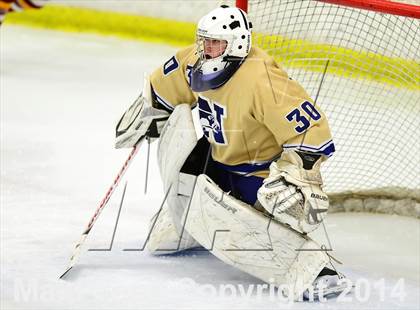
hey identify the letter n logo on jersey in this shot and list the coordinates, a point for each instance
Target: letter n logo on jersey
(211, 118)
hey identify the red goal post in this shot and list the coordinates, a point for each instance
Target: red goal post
(371, 91)
(383, 6)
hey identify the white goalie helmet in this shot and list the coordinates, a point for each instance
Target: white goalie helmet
(223, 42)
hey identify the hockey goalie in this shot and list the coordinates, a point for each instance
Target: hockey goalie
(250, 190)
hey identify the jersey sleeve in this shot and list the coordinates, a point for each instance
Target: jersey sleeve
(291, 115)
(170, 82)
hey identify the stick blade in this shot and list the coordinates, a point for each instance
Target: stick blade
(65, 273)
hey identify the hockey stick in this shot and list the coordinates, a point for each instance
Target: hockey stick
(76, 251)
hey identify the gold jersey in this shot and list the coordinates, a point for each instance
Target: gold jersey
(256, 114)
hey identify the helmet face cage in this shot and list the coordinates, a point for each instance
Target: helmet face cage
(221, 44)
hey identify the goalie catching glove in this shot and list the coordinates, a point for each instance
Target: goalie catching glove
(292, 192)
(140, 120)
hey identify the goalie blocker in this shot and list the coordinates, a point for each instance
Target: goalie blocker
(198, 212)
(140, 120)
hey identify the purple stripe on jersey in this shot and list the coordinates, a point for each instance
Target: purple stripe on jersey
(328, 148)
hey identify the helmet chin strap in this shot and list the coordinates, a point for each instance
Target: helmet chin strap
(202, 82)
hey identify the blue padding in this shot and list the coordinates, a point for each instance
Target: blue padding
(244, 168)
(242, 187)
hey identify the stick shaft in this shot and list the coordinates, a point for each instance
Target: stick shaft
(101, 206)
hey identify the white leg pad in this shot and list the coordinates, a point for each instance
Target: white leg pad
(177, 140)
(163, 236)
(245, 238)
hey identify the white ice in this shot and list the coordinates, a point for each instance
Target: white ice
(61, 95)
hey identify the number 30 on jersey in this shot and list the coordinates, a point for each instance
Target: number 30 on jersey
(302, 120)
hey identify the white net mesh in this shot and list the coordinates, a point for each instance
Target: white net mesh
(370, 92)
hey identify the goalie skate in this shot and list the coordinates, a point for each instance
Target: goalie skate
(328, 284)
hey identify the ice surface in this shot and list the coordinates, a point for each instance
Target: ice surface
(61, 96)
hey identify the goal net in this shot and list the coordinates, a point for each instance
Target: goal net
(360, 61)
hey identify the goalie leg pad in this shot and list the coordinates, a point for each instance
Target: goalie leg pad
(178, 139)
(164, 238)
(247, 239)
